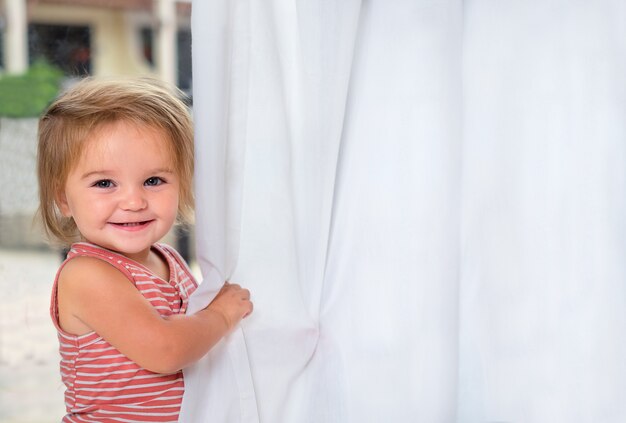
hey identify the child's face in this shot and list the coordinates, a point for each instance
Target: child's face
(123, 192)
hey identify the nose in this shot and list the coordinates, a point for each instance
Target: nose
(133, 199)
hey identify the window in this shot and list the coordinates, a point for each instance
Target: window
(67, 47)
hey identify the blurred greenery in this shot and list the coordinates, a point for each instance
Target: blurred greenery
(27, 95)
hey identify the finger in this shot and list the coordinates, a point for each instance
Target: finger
(249, 311)
(245, 294)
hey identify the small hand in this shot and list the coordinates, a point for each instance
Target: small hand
(233, 303)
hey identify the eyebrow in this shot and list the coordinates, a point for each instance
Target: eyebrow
(104, 172)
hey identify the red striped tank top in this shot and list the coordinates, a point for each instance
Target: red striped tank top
(103, 385)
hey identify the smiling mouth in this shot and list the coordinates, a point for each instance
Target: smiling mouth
(131, 225)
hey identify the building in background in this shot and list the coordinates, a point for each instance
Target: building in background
(99, 37)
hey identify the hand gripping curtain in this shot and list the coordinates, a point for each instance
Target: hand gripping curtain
(426, 201)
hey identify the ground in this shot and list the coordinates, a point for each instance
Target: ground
(30, 385)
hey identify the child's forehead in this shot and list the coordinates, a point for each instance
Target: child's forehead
(115, 137)
(128, 125)
(128, 131)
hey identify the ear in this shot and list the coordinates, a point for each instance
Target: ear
(62, 204)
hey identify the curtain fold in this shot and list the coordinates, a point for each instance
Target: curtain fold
(228, 394)
(426, 201)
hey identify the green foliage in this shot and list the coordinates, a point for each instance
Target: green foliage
(29, 94)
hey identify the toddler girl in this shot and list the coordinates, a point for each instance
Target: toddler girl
(115, 166)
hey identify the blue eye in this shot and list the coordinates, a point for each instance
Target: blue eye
(153, 181)
(103, 183)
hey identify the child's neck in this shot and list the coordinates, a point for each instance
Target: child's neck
(154, 261)
(158, 265)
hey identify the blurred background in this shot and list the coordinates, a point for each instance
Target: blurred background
(45, 46)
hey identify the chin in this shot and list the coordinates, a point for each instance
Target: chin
(127, 248)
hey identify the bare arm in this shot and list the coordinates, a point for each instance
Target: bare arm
(93, 295)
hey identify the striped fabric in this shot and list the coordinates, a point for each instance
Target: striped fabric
(103, 385)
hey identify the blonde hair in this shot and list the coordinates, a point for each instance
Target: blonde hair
(91, 103)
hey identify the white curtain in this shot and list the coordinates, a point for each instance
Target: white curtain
(426, 199)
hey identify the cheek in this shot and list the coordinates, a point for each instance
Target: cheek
(169, 204)
(91, 211)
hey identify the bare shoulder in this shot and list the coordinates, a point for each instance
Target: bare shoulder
(88, 271)
(85, 283)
